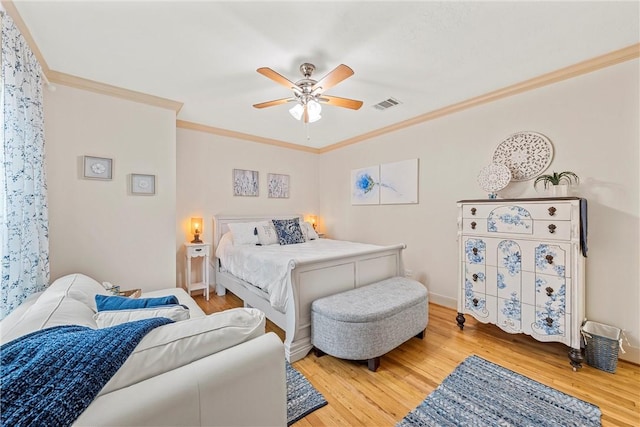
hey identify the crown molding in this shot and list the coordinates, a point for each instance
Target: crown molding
(183, 124)
(612, 58)
(105, 89)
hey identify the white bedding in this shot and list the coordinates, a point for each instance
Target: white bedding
(269, 267)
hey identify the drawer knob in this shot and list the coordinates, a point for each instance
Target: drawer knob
(552, 211)
(552, 228)
(475, 251)
(549, 321)
(473, 225)
(198, 250)
(549, 291)
(475, 277)
(475, 302)
(549, 259)
(473, 211)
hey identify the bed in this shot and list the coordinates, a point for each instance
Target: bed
(310, 277)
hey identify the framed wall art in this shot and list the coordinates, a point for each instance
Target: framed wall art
(245, 182)
(278, 186)
(97, 167)
(399, 182)
(143, 185)
(365, 186)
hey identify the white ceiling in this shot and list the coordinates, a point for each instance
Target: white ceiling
(428, 55)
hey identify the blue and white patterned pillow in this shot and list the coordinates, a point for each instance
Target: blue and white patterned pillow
(289, 231)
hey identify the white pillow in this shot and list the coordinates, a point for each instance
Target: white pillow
(177, 344)
(105, 319)
(267, 234)
(225, 243)
(244, 233)
(308, 231)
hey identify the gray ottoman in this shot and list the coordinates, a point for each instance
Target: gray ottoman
(367, 322)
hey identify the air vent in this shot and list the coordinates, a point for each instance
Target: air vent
(386, 104)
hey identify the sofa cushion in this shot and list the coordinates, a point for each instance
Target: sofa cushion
(178, 344)
(67, 301)
(114, 302)
(79, 287)
(105, 319)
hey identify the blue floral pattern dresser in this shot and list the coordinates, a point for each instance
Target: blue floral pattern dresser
(522, 267)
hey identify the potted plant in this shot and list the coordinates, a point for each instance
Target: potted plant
(557, 183)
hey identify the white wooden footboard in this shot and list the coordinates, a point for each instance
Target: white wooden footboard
(310, 280)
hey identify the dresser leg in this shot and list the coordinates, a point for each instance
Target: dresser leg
(575, 355)
(460, 319)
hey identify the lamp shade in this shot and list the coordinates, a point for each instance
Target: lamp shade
(297, 111)
(196, 226)
(314, 108)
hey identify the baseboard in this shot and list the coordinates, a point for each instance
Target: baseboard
(631, 354)
(443, 300)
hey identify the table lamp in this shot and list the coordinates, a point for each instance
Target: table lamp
(196, 229)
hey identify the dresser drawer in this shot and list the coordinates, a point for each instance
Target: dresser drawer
(538, 210)
(539, 229)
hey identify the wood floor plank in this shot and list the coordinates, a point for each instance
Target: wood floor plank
(359, 397)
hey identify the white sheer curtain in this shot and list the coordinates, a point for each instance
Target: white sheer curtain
(24, 225)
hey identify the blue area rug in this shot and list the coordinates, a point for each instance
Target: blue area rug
(481, 393)
(302, 397)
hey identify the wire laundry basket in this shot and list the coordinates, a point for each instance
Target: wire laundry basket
(602, 343)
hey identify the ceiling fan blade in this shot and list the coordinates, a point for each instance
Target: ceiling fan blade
(340, 102)
(306, 114)
(276, 77)
(274, 102)
(338, 74)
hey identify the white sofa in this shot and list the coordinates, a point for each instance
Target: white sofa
(216, 370)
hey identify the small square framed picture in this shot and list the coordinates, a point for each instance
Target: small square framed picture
(97, 167)
(144, 185)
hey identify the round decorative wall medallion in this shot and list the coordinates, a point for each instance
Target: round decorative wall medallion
(98, 168)
(526, 154)
(494, 177)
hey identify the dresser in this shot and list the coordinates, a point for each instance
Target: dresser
(522, 264)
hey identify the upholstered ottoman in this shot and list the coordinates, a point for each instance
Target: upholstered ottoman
(367, 322)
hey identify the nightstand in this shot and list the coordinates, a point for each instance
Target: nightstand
(197, 250)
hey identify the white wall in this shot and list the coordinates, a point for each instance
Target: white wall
(205, 164)
(593, 122)
(96, 227)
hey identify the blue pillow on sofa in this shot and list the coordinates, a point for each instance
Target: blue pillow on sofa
(104, 302)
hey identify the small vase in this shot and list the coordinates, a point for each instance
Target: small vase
(560, 190)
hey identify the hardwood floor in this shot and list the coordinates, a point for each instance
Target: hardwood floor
(359, 397)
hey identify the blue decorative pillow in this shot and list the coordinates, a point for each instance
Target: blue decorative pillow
(104, 302)
(288, 230)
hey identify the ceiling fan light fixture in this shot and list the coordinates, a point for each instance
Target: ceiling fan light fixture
(297, 111)
(309, 93)
(314, 109)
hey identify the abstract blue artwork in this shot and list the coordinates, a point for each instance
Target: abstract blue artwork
(365, 186)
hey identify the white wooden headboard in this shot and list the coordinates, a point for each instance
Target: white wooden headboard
(220, 223)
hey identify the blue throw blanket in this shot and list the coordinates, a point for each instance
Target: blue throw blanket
(49, 377)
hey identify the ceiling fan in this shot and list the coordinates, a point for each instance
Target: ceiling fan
(309, 93)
